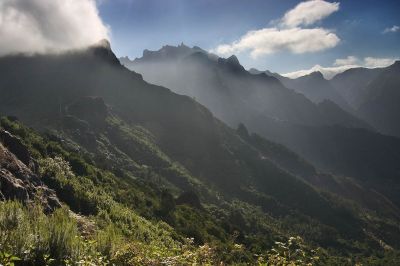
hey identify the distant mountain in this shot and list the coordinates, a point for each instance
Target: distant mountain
(134, 147)
(231, 93)
(351, 84)
(234, 95)
(315, 87)
(271, 110)
(374, 94)
(380, 106)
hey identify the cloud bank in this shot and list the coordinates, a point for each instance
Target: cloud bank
(289, 35)
(341, 65)
(41, 26)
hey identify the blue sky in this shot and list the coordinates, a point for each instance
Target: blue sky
(286, 36)
(149, 24)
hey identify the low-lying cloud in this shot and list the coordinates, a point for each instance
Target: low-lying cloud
(343, 64)
(378, 62)
(289, 35)
(350, 60)
(41, 26)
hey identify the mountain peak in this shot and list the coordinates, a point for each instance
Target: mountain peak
(233, 60)
(167, 52)
(103, 50)
(316, 74)
(197, 48)
(232, 63)
(104, 43)
(396, 63)
(182, 45)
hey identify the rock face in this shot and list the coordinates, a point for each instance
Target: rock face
(18, 179)
(14, 145)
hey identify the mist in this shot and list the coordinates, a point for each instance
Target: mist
(49, 26)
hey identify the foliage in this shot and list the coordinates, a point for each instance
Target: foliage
(30, 235)
(290, 253)
(122, 210)
(8, 259)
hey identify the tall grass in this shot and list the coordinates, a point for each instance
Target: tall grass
(29, 234)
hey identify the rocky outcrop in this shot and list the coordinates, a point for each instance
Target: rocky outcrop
(17, 177)
(15, 145)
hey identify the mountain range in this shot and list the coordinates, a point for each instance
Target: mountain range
(230, 159)
(369, 94)
(375, 97)
(315, 127)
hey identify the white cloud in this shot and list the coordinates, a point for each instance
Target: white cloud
(327, 72)
(309, 12)
(288, 35)
(271, 40)
(40, 26)
(350, 60)
(395, 28)
(340, 66)
(378, 62)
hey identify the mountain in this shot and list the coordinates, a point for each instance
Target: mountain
(315, 87)
(380, 105)
(260, 102)
(61, 98)
(373, 94)
(227, 89)
(351, 84)
(320, 132)
(142, 169)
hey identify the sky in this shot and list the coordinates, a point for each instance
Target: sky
(285, 36)
(359, 29)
